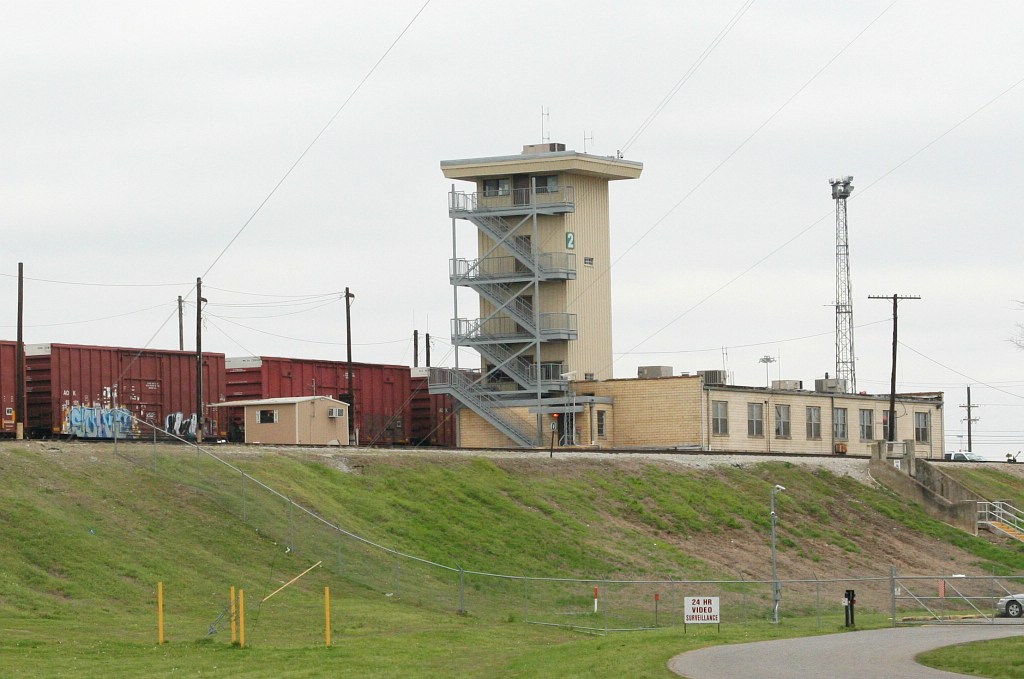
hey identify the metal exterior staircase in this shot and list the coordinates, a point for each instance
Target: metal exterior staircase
(481, 401)
(1002, 517)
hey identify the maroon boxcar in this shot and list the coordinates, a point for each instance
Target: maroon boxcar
(8, 390)
(380, 412)
(100, 392)
(433, 415)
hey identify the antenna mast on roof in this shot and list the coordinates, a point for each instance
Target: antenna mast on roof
(545, 119)
(586, 139)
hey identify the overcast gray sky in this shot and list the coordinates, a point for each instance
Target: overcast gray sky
(138, 138)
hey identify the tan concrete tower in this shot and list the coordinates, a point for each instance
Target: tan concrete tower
(541, 273)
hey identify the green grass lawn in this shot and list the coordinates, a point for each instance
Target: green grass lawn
(88, 533)
(998, 658)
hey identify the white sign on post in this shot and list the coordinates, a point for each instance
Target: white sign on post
(701, 609)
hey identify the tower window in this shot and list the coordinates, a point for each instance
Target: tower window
(588, 261)
(547, 183)
(497, 187)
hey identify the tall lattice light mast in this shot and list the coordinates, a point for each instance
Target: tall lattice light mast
(845, 369)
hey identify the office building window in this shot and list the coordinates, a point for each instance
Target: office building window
(839, 423)
(602, 423)
(922, 427)
(782, 421)
(867, 424)
(755, 419)
(720, 418)
(813, 422)
(885, 426)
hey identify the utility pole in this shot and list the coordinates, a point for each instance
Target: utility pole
(892, 383)
(971, 419)
(199, 360)
(19, 397)
(348, 345)
(181, 326)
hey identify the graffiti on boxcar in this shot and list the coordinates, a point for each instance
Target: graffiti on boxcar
(98, 422)
(180, 425)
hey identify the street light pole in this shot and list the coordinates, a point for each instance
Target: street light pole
(776, 588)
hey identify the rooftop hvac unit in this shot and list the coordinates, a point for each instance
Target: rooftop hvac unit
(714, 377)
(335, 412)
(543, 148)
(790, 385)
(650, 372)
(832, 385)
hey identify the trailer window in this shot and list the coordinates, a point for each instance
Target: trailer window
(268, 416)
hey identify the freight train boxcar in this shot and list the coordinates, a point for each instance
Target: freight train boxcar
(97, 392)
(8, 380)
(433, 415)
(380, 412)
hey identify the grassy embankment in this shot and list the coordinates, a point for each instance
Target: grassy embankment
(87, 536)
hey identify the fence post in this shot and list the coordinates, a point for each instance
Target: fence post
(398, 593)
(245, 513)
(817, 598)
(339, 552)
(892, 591)
(526, 600)
(291, 525)
(462, 591)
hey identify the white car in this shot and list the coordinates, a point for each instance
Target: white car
(1011, 606)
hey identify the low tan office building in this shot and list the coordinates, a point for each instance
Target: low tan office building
(302, 420)
(685, 413)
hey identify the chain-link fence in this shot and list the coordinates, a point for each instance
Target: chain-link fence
(590, 605)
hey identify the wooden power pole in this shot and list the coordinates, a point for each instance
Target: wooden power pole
(892, 383)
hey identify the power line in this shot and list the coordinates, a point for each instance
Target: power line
(805, 230)
(964, 375)
(308, 341)
(753, 344)
(319, 134)
(714, 170)
(97, 285)
(94, 320)
(687, 75)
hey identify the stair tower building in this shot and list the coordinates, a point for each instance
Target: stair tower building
(541, 273)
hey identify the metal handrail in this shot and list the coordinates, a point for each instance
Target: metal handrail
(506, 266)
(492, 201)
(473, 394)
(1002, 512)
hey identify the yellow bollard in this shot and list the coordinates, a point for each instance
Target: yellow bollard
(234, 629)
(327, 615)
(241, 618)
(160, 613)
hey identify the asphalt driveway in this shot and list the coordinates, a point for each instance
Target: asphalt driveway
(880, 654)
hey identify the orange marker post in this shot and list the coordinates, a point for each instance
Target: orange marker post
(241, 618)
(234, 626)
(327, 616)
(160, 613)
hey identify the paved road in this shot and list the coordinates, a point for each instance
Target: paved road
(880, 654)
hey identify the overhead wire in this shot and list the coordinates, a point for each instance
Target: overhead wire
(822, 218)
(961, 374)
(316, 138)
(686, 76)
(711, 173)
(756, 344)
